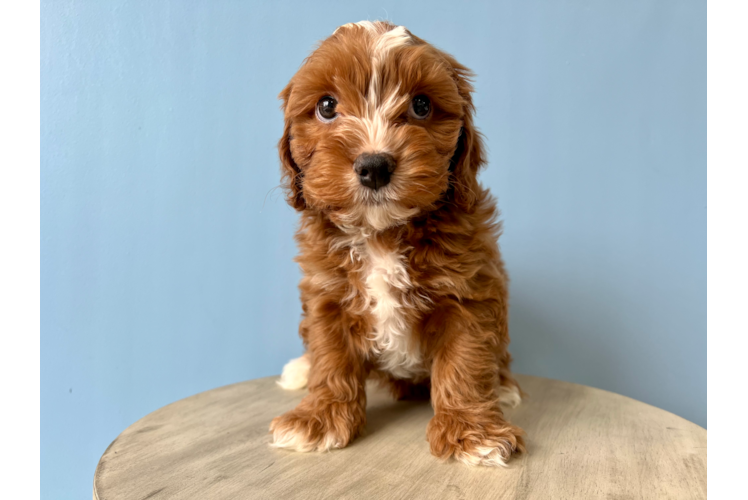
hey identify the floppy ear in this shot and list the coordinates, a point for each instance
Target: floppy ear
(469, 155)
(291, 177)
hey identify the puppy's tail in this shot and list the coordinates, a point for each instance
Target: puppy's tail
(295, 374)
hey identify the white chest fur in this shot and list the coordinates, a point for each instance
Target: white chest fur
(386, 280)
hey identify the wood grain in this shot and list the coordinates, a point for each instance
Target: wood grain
(582, 443)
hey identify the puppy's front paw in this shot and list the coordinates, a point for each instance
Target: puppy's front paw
(474, 439)
(323, 427)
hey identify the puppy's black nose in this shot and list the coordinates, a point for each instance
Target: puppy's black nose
(374, 170)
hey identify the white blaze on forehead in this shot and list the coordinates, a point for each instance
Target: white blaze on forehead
(382, 46)
(367, 25)
(374, 125)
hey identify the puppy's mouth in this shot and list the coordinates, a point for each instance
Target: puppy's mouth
(377, 197)
(380, 216)
(374, 210)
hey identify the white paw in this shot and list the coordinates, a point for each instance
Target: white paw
(509, 396)
(295, 374)
(300, 432)
(490, 454)
(297, 440)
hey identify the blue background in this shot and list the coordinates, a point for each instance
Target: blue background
(167, 248)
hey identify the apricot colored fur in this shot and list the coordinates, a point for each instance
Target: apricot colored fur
(437, 219)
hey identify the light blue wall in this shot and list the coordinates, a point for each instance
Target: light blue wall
(166, 247)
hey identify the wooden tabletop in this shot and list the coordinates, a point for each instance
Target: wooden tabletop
(582, 443)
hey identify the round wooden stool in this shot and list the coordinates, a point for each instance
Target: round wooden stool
(582, 443)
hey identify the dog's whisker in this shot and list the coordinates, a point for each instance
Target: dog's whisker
(270, 191)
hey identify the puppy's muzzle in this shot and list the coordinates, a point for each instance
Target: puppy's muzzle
(374, 170)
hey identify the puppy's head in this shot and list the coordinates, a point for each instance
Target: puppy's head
(379, 128)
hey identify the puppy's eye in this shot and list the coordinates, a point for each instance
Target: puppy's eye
(420, 107)
(326, 109)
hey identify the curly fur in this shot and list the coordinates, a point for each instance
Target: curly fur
(404, 284)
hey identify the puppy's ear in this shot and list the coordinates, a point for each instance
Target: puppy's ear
(291, 176)
(469, 156)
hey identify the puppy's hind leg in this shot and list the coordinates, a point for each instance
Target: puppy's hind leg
(404, 390)
(510, 393)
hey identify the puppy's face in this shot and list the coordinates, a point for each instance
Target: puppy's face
(378, 128)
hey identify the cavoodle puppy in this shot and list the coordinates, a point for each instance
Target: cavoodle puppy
(403, 281)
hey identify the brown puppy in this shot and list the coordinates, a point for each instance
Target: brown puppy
(403, 280)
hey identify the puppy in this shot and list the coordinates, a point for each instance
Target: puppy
(403, 281)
